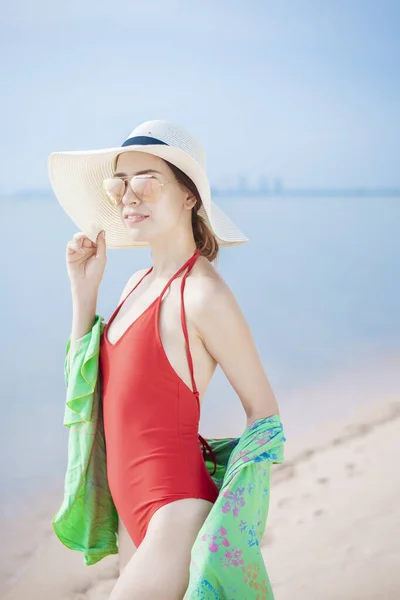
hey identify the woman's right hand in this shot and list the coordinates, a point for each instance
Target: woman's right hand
(86, 261)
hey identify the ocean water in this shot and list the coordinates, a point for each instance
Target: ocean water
(318, 283)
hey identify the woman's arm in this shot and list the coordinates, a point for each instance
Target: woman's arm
(83, 316)
(224, 331)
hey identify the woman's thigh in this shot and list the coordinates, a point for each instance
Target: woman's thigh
(159, 568)
(126, 547)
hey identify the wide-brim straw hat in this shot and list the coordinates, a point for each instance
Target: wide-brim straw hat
(77, 180)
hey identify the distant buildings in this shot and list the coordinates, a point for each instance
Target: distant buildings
(277, 188)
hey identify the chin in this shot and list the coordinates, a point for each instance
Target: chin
(136, 234)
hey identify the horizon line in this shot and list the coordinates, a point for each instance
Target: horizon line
(238, 191)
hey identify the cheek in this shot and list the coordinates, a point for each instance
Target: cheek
(165, 213)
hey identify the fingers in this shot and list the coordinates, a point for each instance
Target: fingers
(79, 243)
(73, 246)
(101, 243)
(82, 240)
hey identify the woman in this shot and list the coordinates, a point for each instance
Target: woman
(175, 322)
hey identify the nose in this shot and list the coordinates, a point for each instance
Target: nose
(129, 197)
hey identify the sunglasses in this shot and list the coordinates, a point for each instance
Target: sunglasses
(147, 189)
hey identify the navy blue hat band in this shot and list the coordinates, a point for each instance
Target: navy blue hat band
(142, 140)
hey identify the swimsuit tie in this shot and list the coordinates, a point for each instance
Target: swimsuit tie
(206, 446)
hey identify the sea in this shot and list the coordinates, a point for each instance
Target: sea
(318, 282)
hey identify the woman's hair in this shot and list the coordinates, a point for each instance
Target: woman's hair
(203, 236)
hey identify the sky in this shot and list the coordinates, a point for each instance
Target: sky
(304, 91)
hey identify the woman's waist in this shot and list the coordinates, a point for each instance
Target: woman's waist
(157, 469)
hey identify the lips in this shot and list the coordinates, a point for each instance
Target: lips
(126, 215)
(135, 217)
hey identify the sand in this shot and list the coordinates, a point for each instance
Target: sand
(333, 530)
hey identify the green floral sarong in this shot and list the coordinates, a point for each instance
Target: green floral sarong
(226, 560)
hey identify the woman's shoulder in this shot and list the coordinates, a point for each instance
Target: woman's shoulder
(205, 283)
(132, 281)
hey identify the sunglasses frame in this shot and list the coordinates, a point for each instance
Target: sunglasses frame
(128, 181)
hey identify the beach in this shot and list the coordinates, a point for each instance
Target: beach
(332, 530)
(335, 513)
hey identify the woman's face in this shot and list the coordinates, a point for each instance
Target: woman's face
(166, 215)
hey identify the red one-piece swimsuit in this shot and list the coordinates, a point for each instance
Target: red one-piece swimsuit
(154, 452)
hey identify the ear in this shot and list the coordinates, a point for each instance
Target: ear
(190, 201)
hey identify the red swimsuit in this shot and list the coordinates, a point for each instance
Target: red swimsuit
(151, 421)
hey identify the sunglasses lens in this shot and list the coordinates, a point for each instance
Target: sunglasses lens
(114, 188)
(146, 188)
